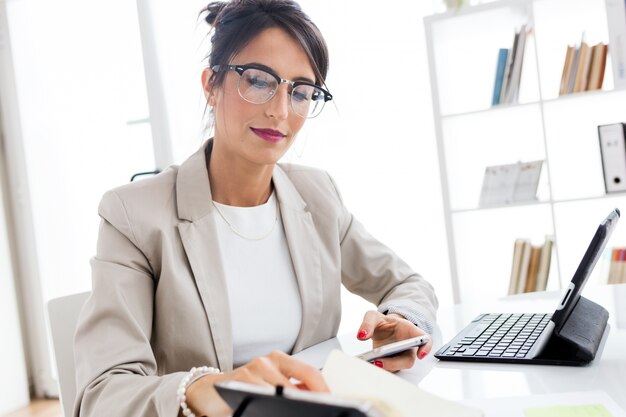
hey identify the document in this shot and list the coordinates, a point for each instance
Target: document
(571, 404)
(592, 410)
(350, 377)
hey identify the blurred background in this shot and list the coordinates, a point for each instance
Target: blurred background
(94, 92)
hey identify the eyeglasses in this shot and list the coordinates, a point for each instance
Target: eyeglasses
(257, 85)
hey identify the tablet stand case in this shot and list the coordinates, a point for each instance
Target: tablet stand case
(280, 406)
(577, 340)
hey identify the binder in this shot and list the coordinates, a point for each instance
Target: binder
(248, 400)
(613, 152)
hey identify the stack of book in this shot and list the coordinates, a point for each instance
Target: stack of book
(531, 266)
(509, 69)
(583, 69)
(617, 270)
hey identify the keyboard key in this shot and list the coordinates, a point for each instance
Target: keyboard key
(477, 330)
(470, 352)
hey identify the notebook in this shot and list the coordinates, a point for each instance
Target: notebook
(569, 336)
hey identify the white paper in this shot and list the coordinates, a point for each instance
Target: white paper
(515, 406)
(350, 377)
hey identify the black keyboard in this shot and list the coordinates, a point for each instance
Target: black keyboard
(499, 336)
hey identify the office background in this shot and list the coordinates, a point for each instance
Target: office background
(76, 122)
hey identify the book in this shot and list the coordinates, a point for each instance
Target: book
(527, 180)
(512, 92)
(582, 71)
(503, 184)
(508, 70)
(523, 269)
(598, 65)
(518, 250)
(573, 70)
(503, 55)
(621, 267)
(533, 268)
(350, 377)
(567, 68)
(617, 269)
(357, 389)
(613, 267)
(616, 19)
(543, 271)
(498, 185)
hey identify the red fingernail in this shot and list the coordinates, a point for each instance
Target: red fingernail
(378, 363)
(422, 355)
(362, 334)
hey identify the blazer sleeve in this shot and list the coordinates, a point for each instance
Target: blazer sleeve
(116, 371)
(373, 271)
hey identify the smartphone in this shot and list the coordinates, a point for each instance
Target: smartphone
(394, 348)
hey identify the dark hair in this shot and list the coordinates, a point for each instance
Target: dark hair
(235, 23)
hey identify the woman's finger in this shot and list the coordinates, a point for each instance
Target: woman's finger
(425, 349)
(268, 370)
(404, 360)
(371, 321)
(307, 374)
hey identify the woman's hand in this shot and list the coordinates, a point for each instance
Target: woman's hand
(385, 329)
(271, 370)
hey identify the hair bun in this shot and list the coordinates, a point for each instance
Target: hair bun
(213, 11)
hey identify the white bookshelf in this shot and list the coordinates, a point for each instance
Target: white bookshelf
(471, 134)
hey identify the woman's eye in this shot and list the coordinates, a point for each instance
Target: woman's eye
(257, 82)
(299, 95)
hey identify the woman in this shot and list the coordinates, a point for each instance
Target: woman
(232, 260)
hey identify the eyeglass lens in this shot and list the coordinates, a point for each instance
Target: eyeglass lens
(258, 86)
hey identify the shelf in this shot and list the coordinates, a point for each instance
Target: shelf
(467, 11)
(502, 206)
(500, 107)
(534, 203)
(550, 101)
(562, 131)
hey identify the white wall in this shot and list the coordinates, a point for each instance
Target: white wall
(379, 143)
(377, 136)
(13, 376)
(77, 92)
(13, 381)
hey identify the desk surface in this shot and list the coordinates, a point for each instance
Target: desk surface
(478, 382)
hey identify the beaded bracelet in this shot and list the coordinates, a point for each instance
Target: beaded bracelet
(192, 375)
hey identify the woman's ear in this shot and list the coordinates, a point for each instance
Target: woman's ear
(207, 86)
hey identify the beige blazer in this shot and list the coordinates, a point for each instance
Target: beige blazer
(159, 304)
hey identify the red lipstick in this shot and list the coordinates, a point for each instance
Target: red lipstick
(269, 135)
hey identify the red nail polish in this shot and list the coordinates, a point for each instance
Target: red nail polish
(422, 355)
(362, 334)
(378, 363)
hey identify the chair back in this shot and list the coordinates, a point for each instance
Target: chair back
(63, 315)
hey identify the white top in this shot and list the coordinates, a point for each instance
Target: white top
(265, 306)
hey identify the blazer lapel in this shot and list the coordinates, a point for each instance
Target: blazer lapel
(304, 247)
(200, 242)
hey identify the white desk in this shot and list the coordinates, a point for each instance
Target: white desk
(479, 383)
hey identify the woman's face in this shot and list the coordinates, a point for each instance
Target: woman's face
(246, 130)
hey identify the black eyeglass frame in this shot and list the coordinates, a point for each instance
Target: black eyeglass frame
(241, 68)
